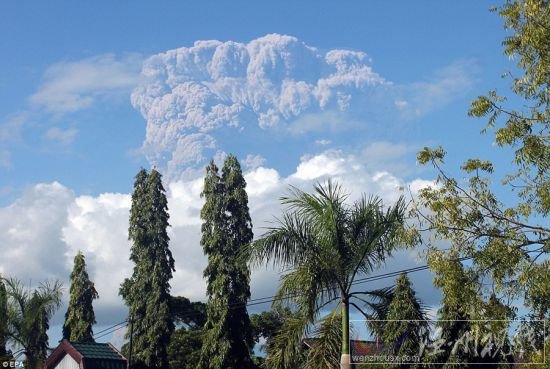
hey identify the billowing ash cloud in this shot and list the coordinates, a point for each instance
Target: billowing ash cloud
(271, 81)
(276, 82)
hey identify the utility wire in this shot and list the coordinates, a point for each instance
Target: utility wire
(111, 327)
(267, 299)
(114, 330)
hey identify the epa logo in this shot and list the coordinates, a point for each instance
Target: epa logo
(12, 364)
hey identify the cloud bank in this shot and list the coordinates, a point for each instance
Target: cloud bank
(43, 229)
(275, 82)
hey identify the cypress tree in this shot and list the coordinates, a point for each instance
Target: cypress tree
(80, 316)
(459, 294)
(239, 235)
(137, 233)
(226, 229)
(147, 292)
(406, 330)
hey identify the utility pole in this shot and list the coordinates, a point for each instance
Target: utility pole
(131, 335)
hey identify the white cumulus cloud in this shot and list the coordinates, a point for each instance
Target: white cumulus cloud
(31, 237)
(41, 231)
(98, 226)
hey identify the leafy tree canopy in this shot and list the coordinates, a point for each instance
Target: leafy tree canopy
(226, 231)
(406, 330)
(192, 314)
(185, 348)
(147, 291)
(80, 316)
(509, 240)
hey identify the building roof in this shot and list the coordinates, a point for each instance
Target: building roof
(97, 350)
(89, 355)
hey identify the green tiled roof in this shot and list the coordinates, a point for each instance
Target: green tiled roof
(88, 354)
(96, 351)
(99, 356)
(104, 364)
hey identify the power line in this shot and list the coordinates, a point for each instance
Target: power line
(273, 298)
(409, 270)
(268, 299)
(111, 327)
(114, 330)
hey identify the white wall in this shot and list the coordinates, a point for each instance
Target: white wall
(67, 363)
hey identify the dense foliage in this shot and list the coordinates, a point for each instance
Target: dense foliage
(406, 331)
(192, 314)
(267, 324)
(186, 341)
(147, 292)
(185, 348)
(460, 304)
(80, 316)
(28, 318)
(509, 240)
(472, 330)
(3, 321)
(226, 231)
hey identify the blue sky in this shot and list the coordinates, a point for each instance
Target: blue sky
(90, 92)
(407, 42)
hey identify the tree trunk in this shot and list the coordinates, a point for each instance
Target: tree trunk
(31, 362)
(345, 359)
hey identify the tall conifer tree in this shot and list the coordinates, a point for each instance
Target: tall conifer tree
(406, 330)
(147, 292)
(80, 316)
(226, 229)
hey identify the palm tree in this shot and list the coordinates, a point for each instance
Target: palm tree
(327, 244)
(3, 323)
(28, 315)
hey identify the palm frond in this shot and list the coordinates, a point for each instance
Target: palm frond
(373, 233)
(29, 311)
(285, 350)
(314, 206)
(308, 289)
(290, 243)
(324, 350)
